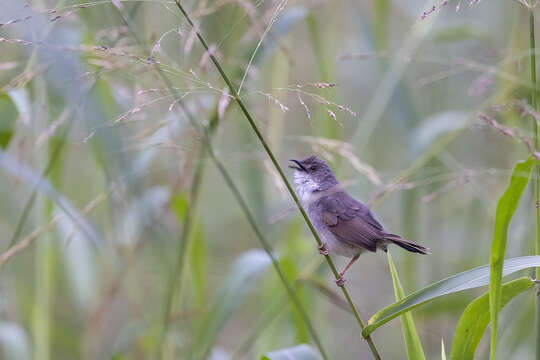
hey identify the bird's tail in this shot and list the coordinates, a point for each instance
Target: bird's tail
(406, 244)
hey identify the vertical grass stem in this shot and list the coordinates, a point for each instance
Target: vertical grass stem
(536, 177)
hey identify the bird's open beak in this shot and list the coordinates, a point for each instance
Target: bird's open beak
(298, 165)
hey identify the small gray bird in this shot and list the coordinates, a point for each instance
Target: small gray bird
(346, 226)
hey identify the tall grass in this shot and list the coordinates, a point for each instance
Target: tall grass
(143, 219)
(281, 173)
(536, 177)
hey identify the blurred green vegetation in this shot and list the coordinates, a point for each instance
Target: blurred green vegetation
(121, 239)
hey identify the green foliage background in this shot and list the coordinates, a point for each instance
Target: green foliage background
(101, 170)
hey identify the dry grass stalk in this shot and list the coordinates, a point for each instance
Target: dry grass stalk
(346, 151)
(28, 240)
(512, 133)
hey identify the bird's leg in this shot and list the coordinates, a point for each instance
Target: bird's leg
(323, 249)
(341, 280)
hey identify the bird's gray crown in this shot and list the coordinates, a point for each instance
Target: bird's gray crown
(313, 174)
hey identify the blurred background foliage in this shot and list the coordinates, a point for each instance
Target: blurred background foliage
(99, 161)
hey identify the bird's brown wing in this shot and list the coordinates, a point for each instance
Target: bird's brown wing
(350, 221)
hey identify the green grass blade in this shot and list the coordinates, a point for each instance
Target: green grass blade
(239, 282)
(198, 262)
(279, 169)
(382, 95)
(443, 352)
(475, 318)
(505, 210)
(34, 180)
(470, 279)
(380, 24)
(327, 127)
(7, 120)
(412, 341)
(300, 352)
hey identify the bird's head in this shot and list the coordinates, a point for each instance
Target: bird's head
(312, 174)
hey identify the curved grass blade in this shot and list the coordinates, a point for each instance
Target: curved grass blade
(470, 279)
(382, 95)
(33, 180)
(240, 280)
(475, 318)
(434, 127)
(412, 341)
(300, 352)
(505, 210)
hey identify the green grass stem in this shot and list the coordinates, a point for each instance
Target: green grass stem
(280, 171)
(177, 270)
(536, 177)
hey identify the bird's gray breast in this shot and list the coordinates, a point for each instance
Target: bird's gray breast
(333, 244)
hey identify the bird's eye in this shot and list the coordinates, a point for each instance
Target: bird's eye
(313, 167)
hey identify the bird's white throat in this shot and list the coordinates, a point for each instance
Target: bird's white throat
(305, 185)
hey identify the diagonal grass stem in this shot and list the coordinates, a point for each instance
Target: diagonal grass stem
(177, 271)
(280, 171)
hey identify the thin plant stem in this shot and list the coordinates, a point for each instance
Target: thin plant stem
(267, 247)
(281, 173)
(57, 150)
(535, 178)
(50, 164)
(175, 278)
(178, 270)
(251, 219)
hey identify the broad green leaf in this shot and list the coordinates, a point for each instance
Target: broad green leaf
(300, 352)
(242, 278)
(505, 210)
(412, 341)
(475, 318)
(8, 119)
(443, 352)
(470, 279)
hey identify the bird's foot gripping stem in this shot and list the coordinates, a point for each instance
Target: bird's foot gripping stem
(323, 249)
(340, 281)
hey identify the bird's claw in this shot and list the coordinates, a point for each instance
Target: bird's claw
(323, 250)
(340, 281)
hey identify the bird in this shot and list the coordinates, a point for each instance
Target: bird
(346, 227)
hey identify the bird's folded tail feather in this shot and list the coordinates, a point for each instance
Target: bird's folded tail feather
(406, 244)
